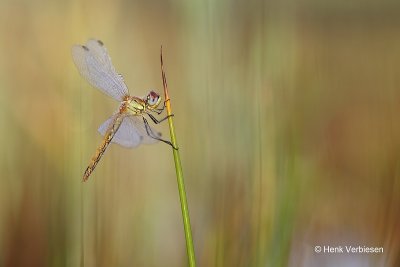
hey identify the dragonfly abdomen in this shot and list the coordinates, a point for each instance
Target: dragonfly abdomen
(103, 146)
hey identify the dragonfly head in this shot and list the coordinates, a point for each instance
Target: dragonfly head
(153, 100)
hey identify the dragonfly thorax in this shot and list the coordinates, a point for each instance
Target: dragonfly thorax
(133, 105)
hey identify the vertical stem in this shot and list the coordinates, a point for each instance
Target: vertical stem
(82, 262)
(179, 175)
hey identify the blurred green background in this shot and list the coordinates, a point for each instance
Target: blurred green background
(286, 115)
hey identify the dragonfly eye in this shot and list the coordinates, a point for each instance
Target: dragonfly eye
(153, 99)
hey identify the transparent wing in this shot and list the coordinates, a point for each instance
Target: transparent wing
(99, 51)
(131, 133)
(94, 64)
(137, 122)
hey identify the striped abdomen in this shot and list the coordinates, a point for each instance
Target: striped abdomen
(102, 148)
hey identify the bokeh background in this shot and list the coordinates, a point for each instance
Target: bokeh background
(286, 118)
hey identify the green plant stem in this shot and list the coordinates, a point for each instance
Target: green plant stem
(179, 176)
(182, 196)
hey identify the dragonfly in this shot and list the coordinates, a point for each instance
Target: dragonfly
(128, 126)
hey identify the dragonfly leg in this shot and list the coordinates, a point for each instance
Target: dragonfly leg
(159, 110)
(156, 121)
(152, 135)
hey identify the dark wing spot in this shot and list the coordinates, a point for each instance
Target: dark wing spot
(100, 42)
(85, 47)
(159, 134)
(141, 138)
